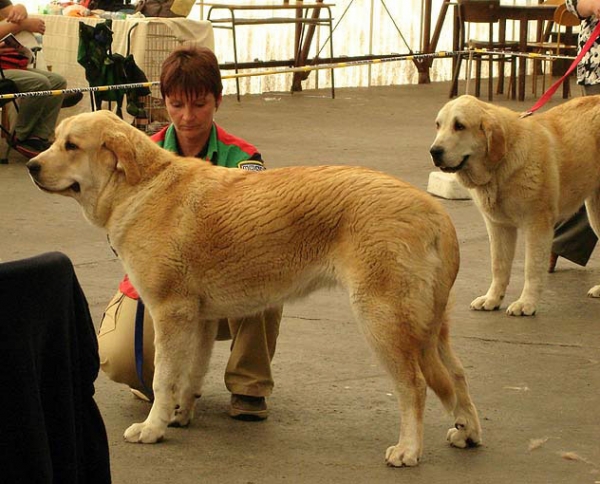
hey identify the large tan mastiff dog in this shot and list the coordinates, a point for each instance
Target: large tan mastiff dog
(524, 174)
(201, 242)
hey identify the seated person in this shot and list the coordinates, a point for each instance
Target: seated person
(190, 84)
(37, 115)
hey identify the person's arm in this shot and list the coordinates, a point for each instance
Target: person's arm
(13, 13)
(16, 20)
(587, 8)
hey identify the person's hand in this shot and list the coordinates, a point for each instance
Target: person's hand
(34, 25)
(17, 14)
(587, 8)
(594, 7)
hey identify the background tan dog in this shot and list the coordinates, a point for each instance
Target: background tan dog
(201, 242)
(524, 174)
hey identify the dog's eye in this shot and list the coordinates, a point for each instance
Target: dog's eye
(459, 126)
(69, 146)
(437, 125)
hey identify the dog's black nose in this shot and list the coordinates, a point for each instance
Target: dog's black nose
(33, 166)
(437, 155)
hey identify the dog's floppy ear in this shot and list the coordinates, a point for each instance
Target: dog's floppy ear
(124, 151)
(496, 138)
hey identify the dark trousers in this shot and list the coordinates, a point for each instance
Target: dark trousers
(574, 238)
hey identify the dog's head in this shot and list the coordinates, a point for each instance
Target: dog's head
(92, 153)
(470, 141)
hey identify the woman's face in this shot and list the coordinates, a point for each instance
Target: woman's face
(192, 118)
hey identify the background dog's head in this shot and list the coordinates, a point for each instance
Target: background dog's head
(92, 153)
(470, 140)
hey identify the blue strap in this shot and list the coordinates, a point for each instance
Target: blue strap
(139, 347)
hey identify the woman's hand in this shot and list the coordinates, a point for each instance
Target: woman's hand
(34, 25)
(587, 8)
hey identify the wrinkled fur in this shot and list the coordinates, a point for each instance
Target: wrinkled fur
(201, 242)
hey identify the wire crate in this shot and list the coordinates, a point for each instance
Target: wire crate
(160, 42)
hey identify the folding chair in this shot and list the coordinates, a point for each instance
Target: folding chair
(7, 86)
(558, 39)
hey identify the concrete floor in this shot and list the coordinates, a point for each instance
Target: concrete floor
(332, 412)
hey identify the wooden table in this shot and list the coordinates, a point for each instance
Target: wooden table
(524, 14)
(305, 14)
(531, 11)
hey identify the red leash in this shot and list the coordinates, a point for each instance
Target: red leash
(552, 89)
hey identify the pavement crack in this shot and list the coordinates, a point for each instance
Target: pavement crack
(524, 343)
(304, 318)
(94, 262)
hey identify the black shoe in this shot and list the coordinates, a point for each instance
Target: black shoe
(70, 99)
(30, 147)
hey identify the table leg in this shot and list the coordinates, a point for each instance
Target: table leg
(502, 40)
(456, 45)
(455, 41)
(522, 59)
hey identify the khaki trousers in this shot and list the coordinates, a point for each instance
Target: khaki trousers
(248, 371)
(37, 115)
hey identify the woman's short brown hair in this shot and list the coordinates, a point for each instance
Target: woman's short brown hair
(192, 71)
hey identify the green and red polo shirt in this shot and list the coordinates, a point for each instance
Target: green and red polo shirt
(223, 149)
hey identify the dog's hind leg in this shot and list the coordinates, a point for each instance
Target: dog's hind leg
(191, 387)
(398, 350)
(446, 376)
(592, 206)
(442, 368)
(174, 322)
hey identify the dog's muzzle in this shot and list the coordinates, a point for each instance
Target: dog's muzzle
(35, 169)
(437, 155)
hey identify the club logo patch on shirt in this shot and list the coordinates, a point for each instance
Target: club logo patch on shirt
(251, 165)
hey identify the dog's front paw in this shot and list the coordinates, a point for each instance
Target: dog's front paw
(521, 308)
(486, 303)
(594, 291)
(181, 417)
(402, 455)
(462, 435)
(143, 433)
